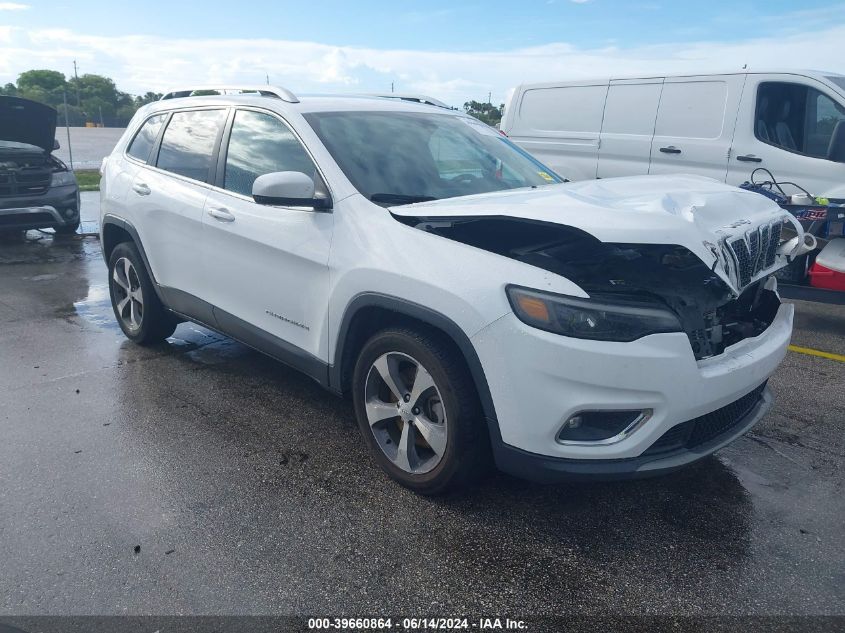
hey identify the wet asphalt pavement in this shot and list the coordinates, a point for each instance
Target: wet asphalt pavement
(248, 489)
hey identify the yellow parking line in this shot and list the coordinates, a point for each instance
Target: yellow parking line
(815, 352)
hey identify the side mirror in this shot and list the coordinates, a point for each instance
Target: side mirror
(836, 147)
(56, 144)
(288, 188)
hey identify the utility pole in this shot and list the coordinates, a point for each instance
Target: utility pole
(489, 98)
(391, 87)
(67, 128)
(267, 75)
(76, 76)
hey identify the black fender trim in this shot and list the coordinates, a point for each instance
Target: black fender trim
(426, 315)
(114, 220)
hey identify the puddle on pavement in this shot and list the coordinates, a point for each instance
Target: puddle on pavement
(96, 307)
(196, 343)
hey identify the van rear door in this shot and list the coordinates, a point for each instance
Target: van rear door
(560, 125)
(628, 127)
(695, 125)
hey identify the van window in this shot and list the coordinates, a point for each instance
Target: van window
(568, 109)
(146, 137)
(261, 144)
(188, 143)
(692, 109)
(796, 117)
(631, 109)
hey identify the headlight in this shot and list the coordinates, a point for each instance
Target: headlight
(62, 178)
(589, 318)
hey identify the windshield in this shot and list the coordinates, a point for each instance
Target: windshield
(403, 157)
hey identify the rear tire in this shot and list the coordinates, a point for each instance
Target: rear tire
(430, 436)
(140, 314)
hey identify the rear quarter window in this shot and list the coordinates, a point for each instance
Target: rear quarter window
(142, 144)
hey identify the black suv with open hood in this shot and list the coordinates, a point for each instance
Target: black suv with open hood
(37, 190)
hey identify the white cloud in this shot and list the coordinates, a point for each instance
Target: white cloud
(142, 62)
(13, 6)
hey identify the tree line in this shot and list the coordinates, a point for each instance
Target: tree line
(486, 112)
(96, 99)
(90, 98)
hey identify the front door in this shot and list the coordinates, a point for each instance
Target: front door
(785, 125)
(266, 267)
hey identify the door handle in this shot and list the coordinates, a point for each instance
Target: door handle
(749, 158)
(670, 150)
(141, 189)
(221, 214)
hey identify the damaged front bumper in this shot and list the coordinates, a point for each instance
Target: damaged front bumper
(539, 380)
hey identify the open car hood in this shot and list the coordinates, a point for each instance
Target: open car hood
(736, 233)
(25, 121)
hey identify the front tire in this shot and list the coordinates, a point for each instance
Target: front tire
(418, 410)
(140, 314)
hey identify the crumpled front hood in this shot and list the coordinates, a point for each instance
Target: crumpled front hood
(25, 121)
(711, 219)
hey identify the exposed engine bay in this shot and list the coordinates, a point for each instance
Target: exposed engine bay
(710, 313)
(26, 173)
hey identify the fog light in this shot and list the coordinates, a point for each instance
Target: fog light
(602, 427)
(70, 212)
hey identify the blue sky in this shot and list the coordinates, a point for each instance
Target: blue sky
(431, 25)
(458, 50)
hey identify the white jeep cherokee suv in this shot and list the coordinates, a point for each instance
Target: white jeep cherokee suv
(470, 301)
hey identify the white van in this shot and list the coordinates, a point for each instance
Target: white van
(721, 125)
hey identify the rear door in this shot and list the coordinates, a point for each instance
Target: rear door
(695, 125)
(168, 199)
(266, 267)
(628, 127)
(560, 125)
(785, 125)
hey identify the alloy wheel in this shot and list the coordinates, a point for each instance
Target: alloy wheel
(128, 294)
(406, 413)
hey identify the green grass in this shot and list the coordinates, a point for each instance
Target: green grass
(88, 179)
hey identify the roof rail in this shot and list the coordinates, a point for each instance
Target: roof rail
(406, 96)
(266, 91)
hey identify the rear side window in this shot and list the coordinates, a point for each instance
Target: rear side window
(188, 143)
(261, 144)
(569, 109)
(145, 138)
(694, 109)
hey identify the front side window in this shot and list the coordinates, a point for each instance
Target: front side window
(146, 137)
(797, 118)
(188, 143)
(404, 157)
(262, 144)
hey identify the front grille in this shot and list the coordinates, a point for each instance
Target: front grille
(28, 181)
(756, 251)
(702, 429)
(28, 219)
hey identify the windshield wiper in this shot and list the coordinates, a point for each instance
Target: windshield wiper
(399, 198)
